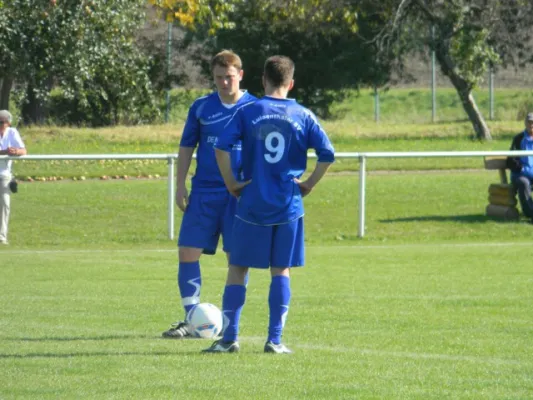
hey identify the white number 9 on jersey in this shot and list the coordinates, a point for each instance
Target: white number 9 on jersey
(275, 144)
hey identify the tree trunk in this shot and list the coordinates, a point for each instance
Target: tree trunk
(6, 83)
(464, 90)
(475, 116)
(33, 110)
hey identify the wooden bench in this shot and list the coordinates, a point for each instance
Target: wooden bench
(502, 196)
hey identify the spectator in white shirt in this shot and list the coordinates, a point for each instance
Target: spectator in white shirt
(11, 144)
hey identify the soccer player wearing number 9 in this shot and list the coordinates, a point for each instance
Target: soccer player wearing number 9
(268, 231)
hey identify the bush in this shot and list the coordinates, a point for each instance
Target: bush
(97, 111)
(180, 101)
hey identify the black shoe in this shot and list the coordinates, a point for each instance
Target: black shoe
(277, 348)
(179, 330)
(223, 347)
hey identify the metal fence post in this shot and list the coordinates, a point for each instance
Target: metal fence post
(491, 92)
(362, 195)
(171, 189)
(433, 78)
(169, 48)
(376, 104)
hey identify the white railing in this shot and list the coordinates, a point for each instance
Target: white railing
(362, 157)
(362, 169)
(171, 160)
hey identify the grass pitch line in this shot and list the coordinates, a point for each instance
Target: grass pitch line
(362, 247)
(80, 251)
(414, 356)
(254, 340)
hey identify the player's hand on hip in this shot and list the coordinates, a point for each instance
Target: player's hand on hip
(237, 187)
(305, 188)
(182, 198)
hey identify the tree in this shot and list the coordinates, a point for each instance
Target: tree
(328, 60)
(86, 47)
(326, 42)
(468, 37)
(193, 13)
(184, 69)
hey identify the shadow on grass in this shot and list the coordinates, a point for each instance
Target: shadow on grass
(99, 354)
(80, 338)
(470, 219)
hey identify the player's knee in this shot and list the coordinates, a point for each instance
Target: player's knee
(236, 275)
(189, 254)
(274, 271)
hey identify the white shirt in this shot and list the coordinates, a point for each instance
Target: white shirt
(11, 138)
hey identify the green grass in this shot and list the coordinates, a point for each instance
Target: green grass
(395, 322)
(352, 129)
(433, 303)
(400, 106)
(413, 207)
(165, 140)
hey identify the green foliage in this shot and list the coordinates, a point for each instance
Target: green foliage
(329, 58)
(473, 54)
(194, 13)
(180, 102)
(85, 47)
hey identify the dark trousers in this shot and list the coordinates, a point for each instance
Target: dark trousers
(522, 185)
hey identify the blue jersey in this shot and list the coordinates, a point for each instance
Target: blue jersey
(275, 135)
(527, 161)
(205, 123)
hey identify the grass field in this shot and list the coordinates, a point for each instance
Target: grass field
(165, 140)
(405, 126)
(352, 129)
(435, 302)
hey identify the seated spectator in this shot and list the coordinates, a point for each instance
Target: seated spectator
(522, 167)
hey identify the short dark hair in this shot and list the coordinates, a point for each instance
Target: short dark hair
(226, 58)
(279, 70)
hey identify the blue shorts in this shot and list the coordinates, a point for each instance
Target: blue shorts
(259, 246)
(207, 216)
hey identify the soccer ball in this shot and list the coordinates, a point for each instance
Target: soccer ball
(205, 321)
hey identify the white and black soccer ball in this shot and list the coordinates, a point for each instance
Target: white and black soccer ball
(205, 321)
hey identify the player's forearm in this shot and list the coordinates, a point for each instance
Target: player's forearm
(224, 165)
(184, 163)
(320, 170)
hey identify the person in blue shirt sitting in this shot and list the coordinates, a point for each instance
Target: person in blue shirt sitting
(268, 230)
(522, 167)
(209, 210)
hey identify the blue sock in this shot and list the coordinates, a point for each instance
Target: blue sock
(232, 303)
(278, 301)
(189, 284)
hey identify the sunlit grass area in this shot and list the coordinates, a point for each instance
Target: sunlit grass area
(435, 302)
(352, 130)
